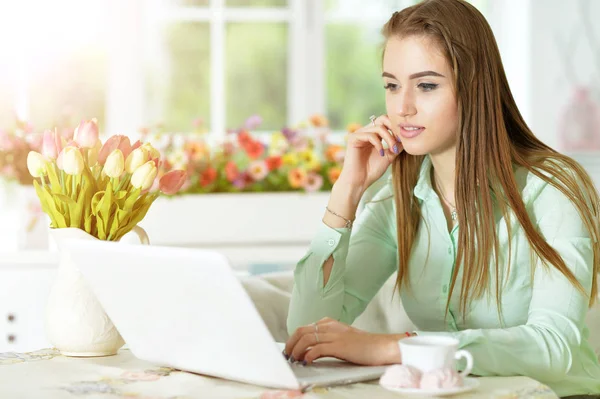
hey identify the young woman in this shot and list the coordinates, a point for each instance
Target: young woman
(494, 235)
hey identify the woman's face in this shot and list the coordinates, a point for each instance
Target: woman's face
(420, 97)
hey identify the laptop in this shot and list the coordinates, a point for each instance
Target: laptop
(186, 309)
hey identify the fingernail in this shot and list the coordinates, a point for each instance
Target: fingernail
(286, 356)
(395, 148)
(398, 139)
(292, 360)
(381, 152)
(304, 363)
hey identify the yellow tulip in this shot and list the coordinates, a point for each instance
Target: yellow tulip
(137, 158)
(115, 164)
(36, 163)
(144, 176)
(93, 154)
(153, 152)
(71, 161)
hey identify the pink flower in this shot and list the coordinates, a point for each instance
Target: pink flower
(86, 134)
(313, 182)
(52, 144)
(253, 122)
(115, 142)
(171, 182)
(258, 170)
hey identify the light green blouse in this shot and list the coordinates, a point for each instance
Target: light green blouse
(544, 335)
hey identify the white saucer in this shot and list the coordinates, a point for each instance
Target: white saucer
(469, 384)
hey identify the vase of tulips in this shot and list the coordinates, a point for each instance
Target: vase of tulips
(95, 191)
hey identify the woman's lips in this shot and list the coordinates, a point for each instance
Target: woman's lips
(408, 132)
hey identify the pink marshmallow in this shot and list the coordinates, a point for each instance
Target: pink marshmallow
(401, 376)
(441, 379)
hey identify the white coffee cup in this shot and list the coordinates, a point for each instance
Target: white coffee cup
(428, 353)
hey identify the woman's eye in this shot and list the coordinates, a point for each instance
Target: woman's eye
(390, 86)
(427, 86)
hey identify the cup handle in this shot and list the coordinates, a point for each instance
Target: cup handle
(467, 355)
(141, 233)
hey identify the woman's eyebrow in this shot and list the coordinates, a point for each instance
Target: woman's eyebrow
(414, 75)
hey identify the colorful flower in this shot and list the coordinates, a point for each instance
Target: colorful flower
(309, 159)
(253, 122)
(319, 121)
(258, 170)
(332, 153)
(197, 150)
(314, 182)
(208, 176)
(273, 163)
(297, 177)
(279, 144)
(254, 149)
(290, 159)
(231, 171)
(333, 174)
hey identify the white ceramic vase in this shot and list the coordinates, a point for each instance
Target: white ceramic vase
(76, 323)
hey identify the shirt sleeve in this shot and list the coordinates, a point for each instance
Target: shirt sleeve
(543, 347)
(363, 260)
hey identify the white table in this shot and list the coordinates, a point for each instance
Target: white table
(49, 375)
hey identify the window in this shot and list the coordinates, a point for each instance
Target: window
(178, 62)
(58, 62)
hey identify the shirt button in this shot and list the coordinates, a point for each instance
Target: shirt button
(331, 242)
(445, 289)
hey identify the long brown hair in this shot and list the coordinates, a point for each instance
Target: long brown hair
(492, 137)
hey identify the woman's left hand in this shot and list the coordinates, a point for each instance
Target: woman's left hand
(331, 338)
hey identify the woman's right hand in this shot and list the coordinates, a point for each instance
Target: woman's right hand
(366, 160)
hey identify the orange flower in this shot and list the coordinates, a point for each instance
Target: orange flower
(353, 127)
(334, 174)
(297, 177)
(319, 121)
(273, 163)
(332, 150)
(254, 149)
(208, 176)
(231, 171)
(196, 150)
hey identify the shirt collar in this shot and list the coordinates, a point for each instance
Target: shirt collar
(423, 188)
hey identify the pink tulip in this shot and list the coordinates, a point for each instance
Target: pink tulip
(67, 134)
(135, 145)
(172, 182)
(52, 144)
(86, 134)
(115, 142)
